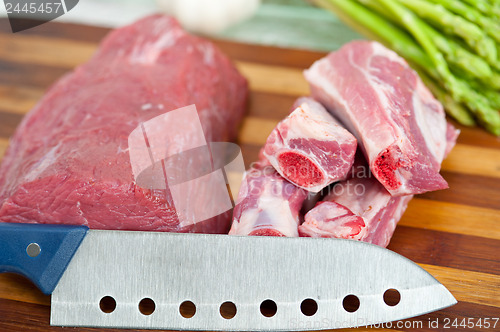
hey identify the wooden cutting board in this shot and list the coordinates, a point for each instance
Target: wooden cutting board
(454, 234)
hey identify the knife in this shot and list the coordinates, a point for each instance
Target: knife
(228, 283)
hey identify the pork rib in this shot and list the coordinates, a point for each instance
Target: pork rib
(310, 148)
(68, 161)
(267, 205)
(399, 125)
(359, 208)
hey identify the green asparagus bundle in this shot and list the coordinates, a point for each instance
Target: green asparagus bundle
(490, 25)
(454, 45)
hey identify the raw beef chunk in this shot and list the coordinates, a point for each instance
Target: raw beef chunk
(68, 161)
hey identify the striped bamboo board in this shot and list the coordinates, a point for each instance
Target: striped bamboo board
(454, 234)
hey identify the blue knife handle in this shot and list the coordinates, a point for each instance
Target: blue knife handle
(57, 244)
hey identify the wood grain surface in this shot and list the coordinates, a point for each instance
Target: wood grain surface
(454, 234)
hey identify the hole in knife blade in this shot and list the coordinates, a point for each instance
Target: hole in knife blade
(187, 309)
(309, 307)
(227, 310)
(351, 303)
(268, 308)
(147, 306)
(392, 297)
(33, 249)
(107, 304)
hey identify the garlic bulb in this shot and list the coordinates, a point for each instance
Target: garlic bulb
(209, 16)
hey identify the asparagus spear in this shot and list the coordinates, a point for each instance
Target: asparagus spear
(454, 24)
(490, 26)
(460, 91)
(389, 34)
(456, 55)
(484, 7)
(492, 95)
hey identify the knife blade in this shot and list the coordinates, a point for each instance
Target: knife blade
(82, 267)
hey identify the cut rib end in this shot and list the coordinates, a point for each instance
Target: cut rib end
(266, 232)
(385, 166)
(300, 170)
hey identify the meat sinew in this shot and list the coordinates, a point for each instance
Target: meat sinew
(68, 161)
(310, 148)
(359, 208)
(399, 125)
(267, 205)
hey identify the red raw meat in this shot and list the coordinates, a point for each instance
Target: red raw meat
(68, 161)
(399, 125)
(267, 205)
(310, 148)
(359, 208)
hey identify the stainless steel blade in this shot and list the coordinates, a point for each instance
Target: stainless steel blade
(211, 269)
